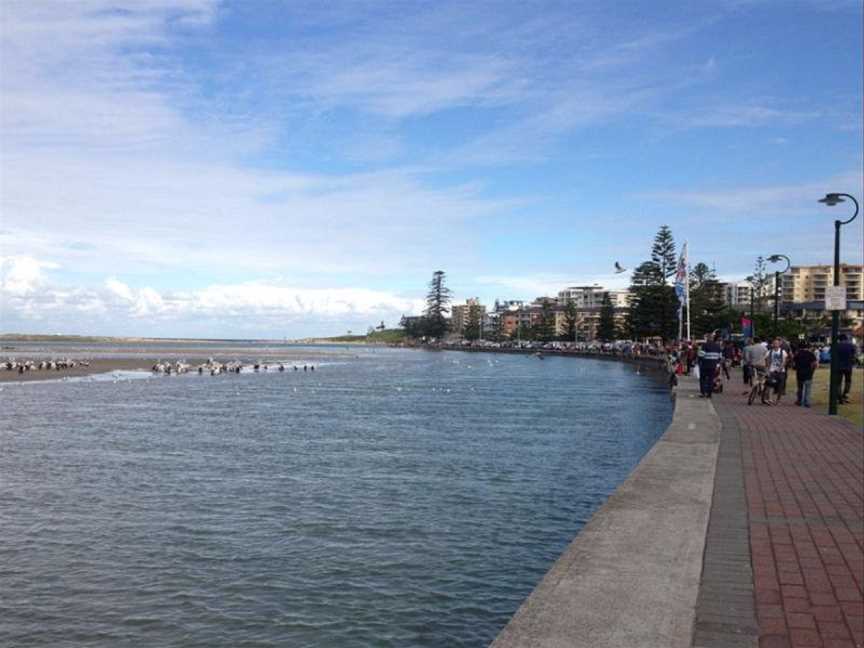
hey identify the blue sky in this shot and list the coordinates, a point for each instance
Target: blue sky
(276, 168)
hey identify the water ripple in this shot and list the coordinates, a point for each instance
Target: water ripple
(405, 499)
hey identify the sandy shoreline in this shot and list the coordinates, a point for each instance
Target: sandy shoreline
(125, 359)
(96, 367)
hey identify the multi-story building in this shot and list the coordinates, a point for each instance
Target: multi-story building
(582, 296)
(803, 291)
(620, 298)
(461, 314)
(515, 321)
(740, 293)
(502, 305)
(808, 283)
(592, 296)
(587, 321)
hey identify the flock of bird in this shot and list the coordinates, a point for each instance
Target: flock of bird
(22, 366)
(214, 368)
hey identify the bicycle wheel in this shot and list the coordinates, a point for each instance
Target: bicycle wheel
(753, 393)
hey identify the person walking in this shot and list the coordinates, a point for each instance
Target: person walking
(777, 359)
(805, 365)
(753, 360)
(845, 362)
(710, 354)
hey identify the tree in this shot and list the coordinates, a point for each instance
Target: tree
(758, 285)
(545, 329)
(706, 301)
(571, 321)
(437, 306)
(415, 327)
(663, 253)
(472, 324)
(653, 303)
(640, 311)
(606, 328)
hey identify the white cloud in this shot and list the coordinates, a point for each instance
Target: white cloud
(22, 275)
(119, 288)
(267, 305)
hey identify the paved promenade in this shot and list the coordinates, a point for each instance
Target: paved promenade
(799, 550)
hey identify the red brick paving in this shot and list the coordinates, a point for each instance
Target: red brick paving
(804, 481)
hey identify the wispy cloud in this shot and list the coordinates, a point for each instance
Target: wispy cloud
(151, 148)
(760, 199)
(742, 116)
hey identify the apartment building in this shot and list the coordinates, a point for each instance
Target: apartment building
(592, 296)
(808, 283)
(460, 314)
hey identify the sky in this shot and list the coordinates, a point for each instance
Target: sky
(272, 169)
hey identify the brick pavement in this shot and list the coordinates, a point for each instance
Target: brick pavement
(803, 477)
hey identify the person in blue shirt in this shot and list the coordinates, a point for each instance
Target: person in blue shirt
(845, 362)
(710, 355)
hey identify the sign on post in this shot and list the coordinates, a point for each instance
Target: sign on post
(835, 298)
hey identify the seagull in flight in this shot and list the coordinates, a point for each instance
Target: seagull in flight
(619, 269)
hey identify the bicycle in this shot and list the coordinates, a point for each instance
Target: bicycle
(760, 387)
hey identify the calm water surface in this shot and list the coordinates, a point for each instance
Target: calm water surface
(393, 499)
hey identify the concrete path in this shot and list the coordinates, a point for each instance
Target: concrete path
(801, 474)
(631, 578)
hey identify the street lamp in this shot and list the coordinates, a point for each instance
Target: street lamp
(774, 258)
(831, 200)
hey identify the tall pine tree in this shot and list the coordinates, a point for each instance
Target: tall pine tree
(473, 323)
(653, 303)
(663, 253)
(759, 282)
(706, 301)
(606, 328)
(571, 321)
(437, 306)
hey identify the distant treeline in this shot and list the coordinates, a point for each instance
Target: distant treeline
(386, 336)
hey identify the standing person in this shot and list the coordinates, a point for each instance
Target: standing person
(692, 356)
(710, 354)
(845, 362)
(754, 360)
(805, 365)
(728, 357)
(777, 359)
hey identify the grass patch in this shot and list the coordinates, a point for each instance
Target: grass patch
(854, 411)
(387, 336)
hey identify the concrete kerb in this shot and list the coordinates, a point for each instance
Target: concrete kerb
(631, 577)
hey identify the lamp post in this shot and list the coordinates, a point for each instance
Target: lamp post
(774, 258)
(831, 200)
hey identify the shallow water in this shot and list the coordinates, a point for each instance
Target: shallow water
(398, 499)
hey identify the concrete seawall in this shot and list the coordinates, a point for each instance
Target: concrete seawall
(647, 361)
(631, 577)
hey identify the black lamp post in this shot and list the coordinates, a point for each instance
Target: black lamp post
(832, 199)
(774, 258)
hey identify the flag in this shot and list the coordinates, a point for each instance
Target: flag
(681, 279)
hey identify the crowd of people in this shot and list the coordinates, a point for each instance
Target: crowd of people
(763, 362)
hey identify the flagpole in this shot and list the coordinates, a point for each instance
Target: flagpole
(687, 285)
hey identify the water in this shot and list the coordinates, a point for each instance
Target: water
(397, 499)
